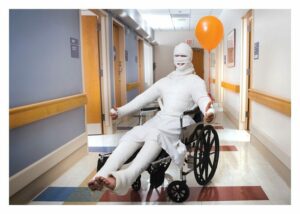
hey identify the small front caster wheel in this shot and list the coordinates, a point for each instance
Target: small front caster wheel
(178, 191)
(136, 186)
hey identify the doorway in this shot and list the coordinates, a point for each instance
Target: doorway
(92, 77)
(119, 64)
(198, 58)
(247, 70)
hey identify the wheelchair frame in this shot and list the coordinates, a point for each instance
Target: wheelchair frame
(200, 148)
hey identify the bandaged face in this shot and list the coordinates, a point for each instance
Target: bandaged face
(183, 55)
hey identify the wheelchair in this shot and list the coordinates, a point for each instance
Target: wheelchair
(202, 144)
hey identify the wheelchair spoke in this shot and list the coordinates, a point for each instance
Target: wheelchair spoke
(210, 163)
(208, 137)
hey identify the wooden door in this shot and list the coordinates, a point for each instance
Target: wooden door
(91, 66)
(117, 64)
(141, 65)
(198, 55)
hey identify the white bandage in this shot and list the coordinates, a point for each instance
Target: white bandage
(210, 111)
(113, 111)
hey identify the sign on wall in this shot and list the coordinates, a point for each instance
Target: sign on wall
(256, 50)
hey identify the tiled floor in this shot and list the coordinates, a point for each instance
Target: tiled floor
(243, 176)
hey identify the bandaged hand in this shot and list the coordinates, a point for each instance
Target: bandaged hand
(209, 114)
(114, 113)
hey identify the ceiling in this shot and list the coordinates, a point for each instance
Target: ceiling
(169, 19)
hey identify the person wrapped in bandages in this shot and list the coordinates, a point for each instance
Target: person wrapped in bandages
(180, 91)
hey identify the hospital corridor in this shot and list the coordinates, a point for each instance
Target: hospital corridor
(150, 107)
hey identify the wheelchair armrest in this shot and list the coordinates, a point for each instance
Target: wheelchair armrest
(193, 111)
(151, 108)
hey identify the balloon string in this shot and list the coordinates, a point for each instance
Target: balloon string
(209, 71)
(209, 91)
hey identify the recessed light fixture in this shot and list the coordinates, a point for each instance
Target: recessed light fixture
(123, 14)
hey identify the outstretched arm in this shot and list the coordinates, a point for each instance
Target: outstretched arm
(202, 99)
(141, 100)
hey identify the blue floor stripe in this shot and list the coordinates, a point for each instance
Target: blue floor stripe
(104, 149)
(68, 194)
(55, 194)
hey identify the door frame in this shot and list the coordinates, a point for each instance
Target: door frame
(140, 58)
(122, 59)
(105, 70)
(247, 70)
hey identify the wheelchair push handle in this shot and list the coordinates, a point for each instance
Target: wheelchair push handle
(193, 111)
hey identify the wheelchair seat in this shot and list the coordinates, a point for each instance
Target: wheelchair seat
(188, 133)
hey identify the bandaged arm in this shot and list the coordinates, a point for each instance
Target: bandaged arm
(141, 100)
(199, 94)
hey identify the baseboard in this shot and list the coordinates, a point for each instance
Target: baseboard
(35, 171)
(94, 128)
(277, 159)
(231, 117)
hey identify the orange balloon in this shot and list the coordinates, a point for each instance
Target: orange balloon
(209, 32)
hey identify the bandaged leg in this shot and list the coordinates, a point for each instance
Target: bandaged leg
(125, 177)
(115, 161)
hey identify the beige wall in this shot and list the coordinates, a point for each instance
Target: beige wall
(163, 53)
(272, 74)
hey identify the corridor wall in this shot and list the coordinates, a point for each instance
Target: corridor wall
(41, 68)
(272, 75)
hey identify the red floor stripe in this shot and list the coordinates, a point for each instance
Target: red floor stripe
(218, 127)
(228, 148)
(233, 193)
(225, 148)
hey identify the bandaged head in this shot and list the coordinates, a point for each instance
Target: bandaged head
(183, 55)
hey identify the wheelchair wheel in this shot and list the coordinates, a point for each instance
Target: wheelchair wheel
(136, 186)
(206, 154)
(178, 191)
(101, 162)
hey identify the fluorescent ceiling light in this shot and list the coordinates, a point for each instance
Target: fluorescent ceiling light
(163, 22)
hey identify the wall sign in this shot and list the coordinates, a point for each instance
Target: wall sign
(126, 55)
(256, 50)
(74, 44)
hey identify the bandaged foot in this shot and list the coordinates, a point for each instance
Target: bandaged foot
(109, 182)
(96, 184)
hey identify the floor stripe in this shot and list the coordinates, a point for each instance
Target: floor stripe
(101, 149)
(75, 195)
(68, 194)
(228, 148)
(236, 193)
(109, 149)
(218, 127)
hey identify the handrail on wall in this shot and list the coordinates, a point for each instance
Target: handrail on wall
(23, 115)
(132, 85)
(279, 104)
(231, 87)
